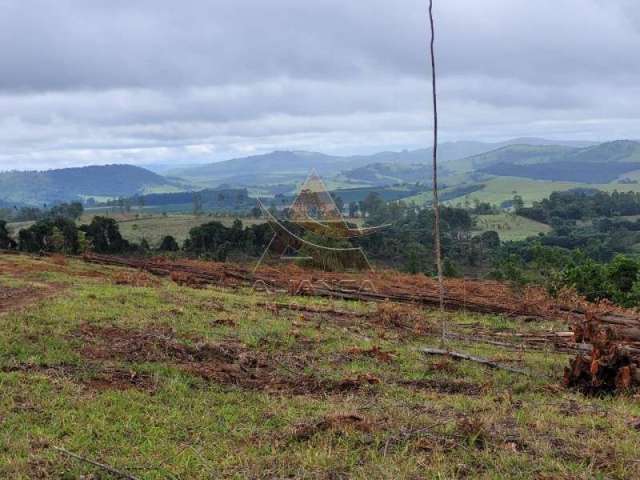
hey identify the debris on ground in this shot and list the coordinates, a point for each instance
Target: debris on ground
(613, 363)
(478, 296)
(94, 377)
(135, 279)
(374, 352)
(15, 298)
(226, 363)
(335, 423)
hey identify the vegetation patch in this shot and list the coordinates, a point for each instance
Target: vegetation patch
(15, 298)
(225, 363)
(94, 377)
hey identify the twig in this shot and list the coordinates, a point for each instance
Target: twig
(306, 309)
(107, 468)
(464, 356)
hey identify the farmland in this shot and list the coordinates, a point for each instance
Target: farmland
(501, 189)
(152, 226)
(150, 375)
(510, 227)
(496, 190)
(155, 228)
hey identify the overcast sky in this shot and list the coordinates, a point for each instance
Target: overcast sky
(168, 81)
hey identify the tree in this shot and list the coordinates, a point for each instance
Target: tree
(418, 259)
(50, 235)
(338, 201)
(353, 209)
(104, 235)
(623, 273)
(518, 203)
(144, 245)
(256, 212)
(490, 240)
(373, 205)
(169, 244)
(83, 244)
(450, 269)
(197, 204)
(57, 240)
(6, 242)
(72, 211)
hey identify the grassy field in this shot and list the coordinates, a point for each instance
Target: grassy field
(164, 381)
(510, 226)
(501, 189)
(135, 226)
(155, 228)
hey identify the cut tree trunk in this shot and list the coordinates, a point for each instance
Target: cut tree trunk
(613, 365)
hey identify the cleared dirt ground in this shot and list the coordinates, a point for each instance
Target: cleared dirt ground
(163, 380)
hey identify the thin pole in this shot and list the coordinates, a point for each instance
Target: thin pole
(436, 203)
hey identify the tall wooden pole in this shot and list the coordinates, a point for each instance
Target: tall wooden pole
(436, 203)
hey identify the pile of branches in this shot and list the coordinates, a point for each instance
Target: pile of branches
(613, 364)
(470, 295)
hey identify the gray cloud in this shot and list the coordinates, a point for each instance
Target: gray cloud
(158, 80)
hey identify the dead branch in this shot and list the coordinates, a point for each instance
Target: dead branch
(471, 358)
(307, 309)
(106, 468)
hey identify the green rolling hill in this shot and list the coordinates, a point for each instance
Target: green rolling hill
(40, 187)
(602, 163)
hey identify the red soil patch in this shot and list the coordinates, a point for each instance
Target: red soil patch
(228, 363)
(16, 298)
(54, 263)
(448, 387)
(335, 423)
(373, 352)
(93, 378)
(134, 279)
(118, 379)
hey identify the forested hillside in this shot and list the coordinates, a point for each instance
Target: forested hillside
(598, 164)
(35, 187)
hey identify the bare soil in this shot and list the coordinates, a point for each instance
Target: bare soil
(226, 363)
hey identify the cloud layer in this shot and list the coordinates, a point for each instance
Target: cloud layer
(155, 81)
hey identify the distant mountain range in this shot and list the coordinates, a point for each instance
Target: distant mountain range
(294, 166)
(37, 188)
(462, 164)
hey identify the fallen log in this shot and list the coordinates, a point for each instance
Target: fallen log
(276, 306)
(557, 341)
(322, 288)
